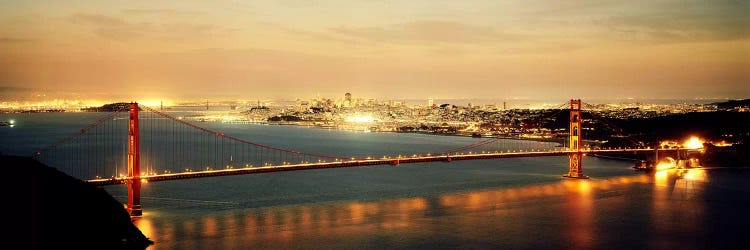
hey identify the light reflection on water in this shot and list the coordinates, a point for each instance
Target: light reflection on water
(677, 206)
(509, 203)
(577, 212)
(567, 214)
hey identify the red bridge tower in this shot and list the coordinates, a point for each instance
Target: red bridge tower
(134, 163)
(576, 156)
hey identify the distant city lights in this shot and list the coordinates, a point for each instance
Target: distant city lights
(360, 119)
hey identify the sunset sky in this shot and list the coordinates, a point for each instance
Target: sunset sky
(380, 49)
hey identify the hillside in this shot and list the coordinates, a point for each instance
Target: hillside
(52, 210)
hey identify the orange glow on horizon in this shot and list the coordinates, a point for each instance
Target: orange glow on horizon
(153, 103)
(485, 48)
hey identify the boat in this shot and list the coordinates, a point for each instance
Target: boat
(644, 166)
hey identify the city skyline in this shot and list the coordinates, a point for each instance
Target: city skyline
(385, 49)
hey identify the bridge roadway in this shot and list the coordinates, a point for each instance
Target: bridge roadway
(357, 162)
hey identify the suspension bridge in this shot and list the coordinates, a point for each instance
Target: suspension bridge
(138, 144)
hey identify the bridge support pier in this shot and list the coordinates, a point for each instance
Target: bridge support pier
(575, 170)
(134, 163)
(576, 158)
(134, 198)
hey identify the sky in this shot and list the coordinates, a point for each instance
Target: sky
(378, 48)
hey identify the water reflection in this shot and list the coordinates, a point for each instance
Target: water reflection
(146, 227)
(578, 212)
(567, 214)
(622, 212)
(675, 210)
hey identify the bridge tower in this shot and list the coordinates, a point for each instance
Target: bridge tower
(576, 156)
(134, 163)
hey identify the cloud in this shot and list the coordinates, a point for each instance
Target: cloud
(544, 49)
(120, 29)
(14, 40)
(317, 35)
(110, 27)
(683, 22)
(149, 11)
(96, 19)
(6, 89)
(165, 12)
(428, 31)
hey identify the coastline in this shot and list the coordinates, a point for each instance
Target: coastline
(466, 134)
(55, 210)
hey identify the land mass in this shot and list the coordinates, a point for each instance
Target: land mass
(112, 107)
(55, 211)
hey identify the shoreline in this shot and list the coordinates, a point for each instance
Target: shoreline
(89, 219)
(556, 140)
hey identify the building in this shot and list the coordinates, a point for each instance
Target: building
(347, 100)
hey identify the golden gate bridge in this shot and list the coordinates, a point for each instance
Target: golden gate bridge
(138, 144)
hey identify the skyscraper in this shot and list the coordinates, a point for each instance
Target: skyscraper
(348, 100)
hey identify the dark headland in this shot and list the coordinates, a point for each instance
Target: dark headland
(48, 209)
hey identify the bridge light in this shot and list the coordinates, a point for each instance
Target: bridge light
(693, 143)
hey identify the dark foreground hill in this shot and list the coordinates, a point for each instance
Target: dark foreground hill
(48, 209)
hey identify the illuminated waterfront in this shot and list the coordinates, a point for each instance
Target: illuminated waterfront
(519, 203)
(677, 209)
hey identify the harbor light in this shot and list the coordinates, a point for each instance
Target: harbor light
(693, 143)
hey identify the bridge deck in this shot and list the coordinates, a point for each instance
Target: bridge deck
(355, 163)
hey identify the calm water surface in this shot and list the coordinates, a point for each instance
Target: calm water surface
(504, 203)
